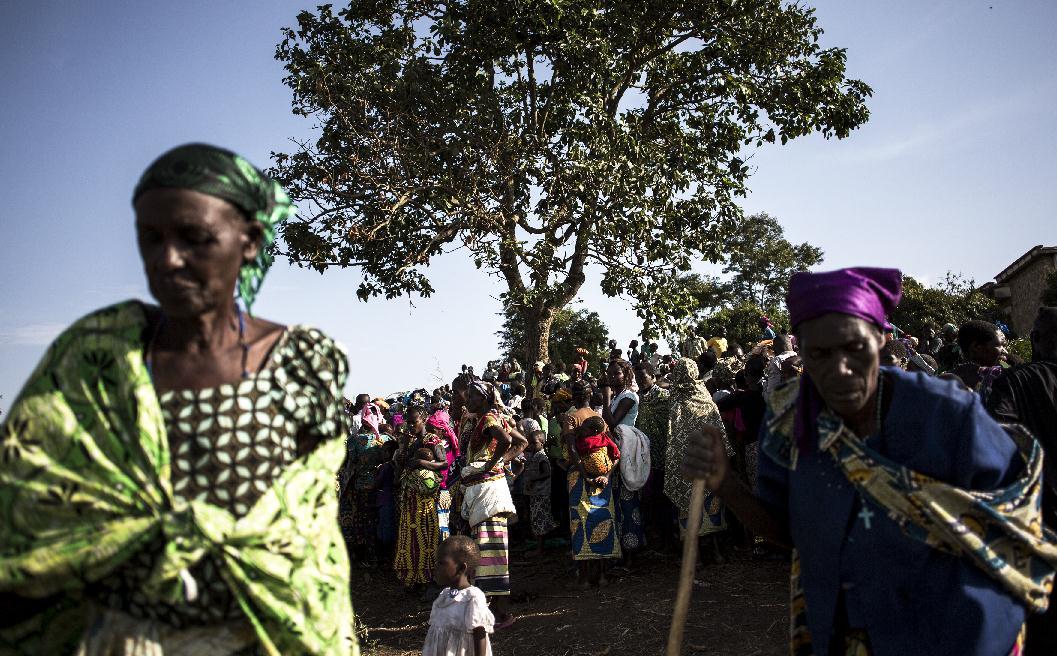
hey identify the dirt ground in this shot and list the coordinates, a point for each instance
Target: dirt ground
(738, 608)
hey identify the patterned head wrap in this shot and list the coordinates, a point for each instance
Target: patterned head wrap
(581, 389)
(920, 363)
(490, 393)
(442, 421)
(223, 174)
(685, 379)
(561, 396)
(726, 370)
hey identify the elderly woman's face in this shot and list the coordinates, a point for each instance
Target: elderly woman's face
(842, 355)
(192, 246)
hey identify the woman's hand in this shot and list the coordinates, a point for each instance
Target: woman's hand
(706, 457)
(601, 480)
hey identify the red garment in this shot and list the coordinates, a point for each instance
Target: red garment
(585, 445)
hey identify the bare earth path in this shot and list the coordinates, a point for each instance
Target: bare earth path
(739, 608)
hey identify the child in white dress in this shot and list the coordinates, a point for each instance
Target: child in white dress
(460, 621)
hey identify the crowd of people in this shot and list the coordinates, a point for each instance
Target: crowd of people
(593, 455)
(167, 474)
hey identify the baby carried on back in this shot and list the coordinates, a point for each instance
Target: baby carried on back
(599, 454)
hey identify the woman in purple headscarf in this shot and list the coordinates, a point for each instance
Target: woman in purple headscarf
(913, 514)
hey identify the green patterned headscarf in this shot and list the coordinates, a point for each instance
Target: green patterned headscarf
(223, 174)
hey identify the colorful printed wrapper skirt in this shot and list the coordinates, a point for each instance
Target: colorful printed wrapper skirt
(417, 537)
(493, 572)
(592, 519)
(629, 512)
(713, 521)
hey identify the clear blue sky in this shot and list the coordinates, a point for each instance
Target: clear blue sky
(955, 171)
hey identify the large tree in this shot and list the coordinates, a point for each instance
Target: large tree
(571, 329)
(954, 300)
(740, 320)
(545, 136)
(761, 261)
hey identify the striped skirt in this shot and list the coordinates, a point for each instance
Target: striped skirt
(493, 572)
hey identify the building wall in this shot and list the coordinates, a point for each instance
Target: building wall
(1026, 288)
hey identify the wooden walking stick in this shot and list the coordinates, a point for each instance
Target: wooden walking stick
(686, 575)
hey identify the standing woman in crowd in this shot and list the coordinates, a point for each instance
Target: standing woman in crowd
(150, 460)
(653, 421)
(359, 505)
(592, 517)
(462, 422)
(486, 497)
(622, 409)
(690, 409)
(421, 458)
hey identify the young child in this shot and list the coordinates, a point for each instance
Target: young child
(460, 621)
(537, 477)
(420, 470)
(599, 454)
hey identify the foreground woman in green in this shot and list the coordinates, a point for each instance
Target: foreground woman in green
(167, 475)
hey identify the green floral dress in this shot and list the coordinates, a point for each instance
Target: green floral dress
(198, 507)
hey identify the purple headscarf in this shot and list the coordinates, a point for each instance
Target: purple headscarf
(863, 292)
(868, 293)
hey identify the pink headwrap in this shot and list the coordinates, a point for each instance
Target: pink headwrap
(440, 419)
(372, 416)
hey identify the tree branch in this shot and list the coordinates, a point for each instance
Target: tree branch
(508, 259)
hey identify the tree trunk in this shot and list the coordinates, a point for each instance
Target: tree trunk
(537, 339)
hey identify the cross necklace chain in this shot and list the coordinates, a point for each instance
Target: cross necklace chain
(865, 514)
